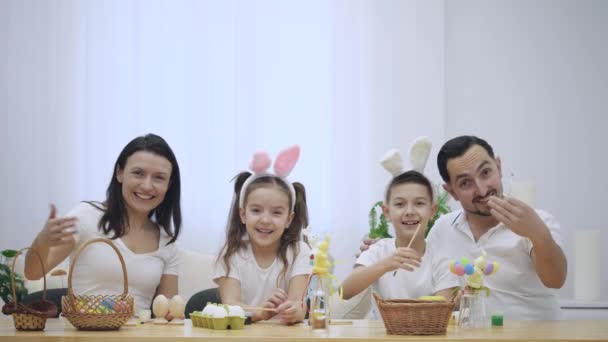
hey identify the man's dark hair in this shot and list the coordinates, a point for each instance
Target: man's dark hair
(455, 148)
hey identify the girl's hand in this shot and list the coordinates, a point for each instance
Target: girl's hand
(287, 312)
(273, 302)
(403, 258)
(57, 231)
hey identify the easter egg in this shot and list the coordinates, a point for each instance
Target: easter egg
(495, 267)
(80, 305)
(177, 306)
(459, 270)
(452, 266)
(489, 269)
(122, 306)
(108, 303)
(469, 269)
(160, 306)
(464, 260)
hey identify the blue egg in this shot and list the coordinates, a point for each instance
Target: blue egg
(469, 269)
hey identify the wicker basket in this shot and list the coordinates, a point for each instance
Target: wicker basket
(97, 312)
(29, 316)
(414, 317)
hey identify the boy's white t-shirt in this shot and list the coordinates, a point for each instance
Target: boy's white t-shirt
(433, 274)
(258, 284)
(98, 270)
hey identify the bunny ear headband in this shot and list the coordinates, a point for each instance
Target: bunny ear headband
(283, 165)
(419, 154)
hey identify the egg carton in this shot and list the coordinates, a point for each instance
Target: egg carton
(235, 323)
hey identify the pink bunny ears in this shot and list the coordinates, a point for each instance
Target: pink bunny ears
(285, 162)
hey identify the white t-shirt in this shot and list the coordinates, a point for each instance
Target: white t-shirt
(516, 289)
(433, 274)
(258, 284)
(98, 270)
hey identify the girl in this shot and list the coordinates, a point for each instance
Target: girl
(396, 270)
(142, 205)
(263, 261)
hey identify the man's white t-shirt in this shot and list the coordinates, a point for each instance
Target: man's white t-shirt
(257, 283)
(98, 270)
(433, 274)
(515, 290)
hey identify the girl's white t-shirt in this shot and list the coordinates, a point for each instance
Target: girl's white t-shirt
(98, 270)
(258, 284)
(433, 274)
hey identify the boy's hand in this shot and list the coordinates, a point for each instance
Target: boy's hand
(404, 258)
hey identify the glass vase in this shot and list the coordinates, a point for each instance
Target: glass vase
(318, 315)
(473, 309)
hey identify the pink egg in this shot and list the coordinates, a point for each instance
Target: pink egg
(459, 270)
(488, 269)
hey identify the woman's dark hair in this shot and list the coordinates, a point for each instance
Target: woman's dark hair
(455, 148)
(115, 217)
(409, 177)
(235, 229)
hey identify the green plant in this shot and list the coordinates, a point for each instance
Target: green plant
(443, 208)
(378, 226)
(378, 229)
(5, 279)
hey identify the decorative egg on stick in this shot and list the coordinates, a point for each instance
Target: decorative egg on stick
(474, 271)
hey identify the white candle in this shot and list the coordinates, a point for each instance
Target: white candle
(524, 191)
(587, 265)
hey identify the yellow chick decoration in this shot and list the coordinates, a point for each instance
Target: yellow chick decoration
(321, 260)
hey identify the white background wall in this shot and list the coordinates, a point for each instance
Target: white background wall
(218, 80)
(532, 77)
(78, 79)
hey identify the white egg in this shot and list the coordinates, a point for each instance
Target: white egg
(206, 309)
(177, 306)
(217, 311)
(235, 311)
(160, 306)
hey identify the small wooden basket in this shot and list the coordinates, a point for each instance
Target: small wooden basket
(32, 316)
(414, 317)
(97, 312)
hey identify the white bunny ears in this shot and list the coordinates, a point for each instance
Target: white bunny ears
(419, 154)
(286, 160)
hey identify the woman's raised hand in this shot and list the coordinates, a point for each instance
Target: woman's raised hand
(57, 231)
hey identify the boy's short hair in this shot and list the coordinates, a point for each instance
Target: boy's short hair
(409, 177)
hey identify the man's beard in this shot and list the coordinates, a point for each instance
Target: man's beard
(478, 212)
